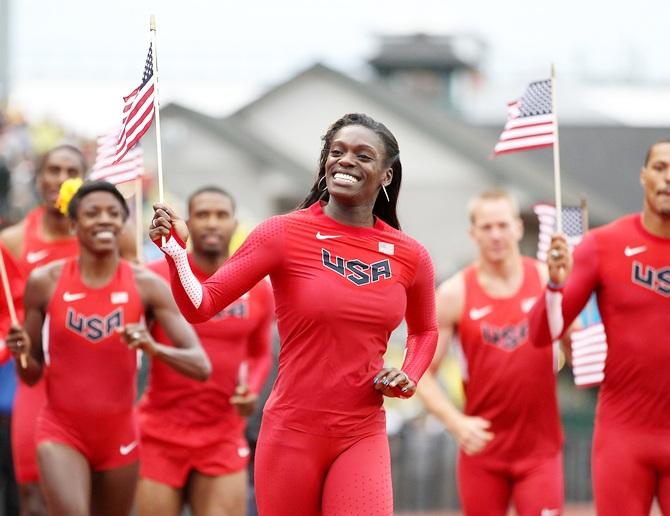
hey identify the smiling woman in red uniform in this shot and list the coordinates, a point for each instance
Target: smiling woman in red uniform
(344, 276)
(78, 312)
(45, 235)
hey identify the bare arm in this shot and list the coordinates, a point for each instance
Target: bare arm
(27, 340)
(470, 432)
(187, 355)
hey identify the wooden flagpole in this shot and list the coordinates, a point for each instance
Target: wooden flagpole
(558, 200)
(10, 302)
(139, 230)
(157, 115)
(159, 153)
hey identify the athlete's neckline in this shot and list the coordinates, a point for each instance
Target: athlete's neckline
(640, 226)
(317, 210)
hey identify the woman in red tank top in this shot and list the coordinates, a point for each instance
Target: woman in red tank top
(92, 309)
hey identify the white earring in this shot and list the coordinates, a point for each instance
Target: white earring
(386, 193)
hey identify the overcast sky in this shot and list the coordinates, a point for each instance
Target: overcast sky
(74, 59)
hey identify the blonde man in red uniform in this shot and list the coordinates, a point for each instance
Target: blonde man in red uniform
(627, 264)
(78, 313)
(193, 445)
(509, 434)
(43, 236)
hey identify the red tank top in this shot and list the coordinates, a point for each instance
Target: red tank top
(509, 381)
(91, 371)
(36, 250)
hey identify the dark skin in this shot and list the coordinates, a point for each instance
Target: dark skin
(68, 483)
(355, 169)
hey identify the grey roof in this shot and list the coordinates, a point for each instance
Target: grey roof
(421, 51)
(236, 134)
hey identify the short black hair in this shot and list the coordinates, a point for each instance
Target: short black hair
(210, 189)
(64, 146)
(95, 186)
(651, 147)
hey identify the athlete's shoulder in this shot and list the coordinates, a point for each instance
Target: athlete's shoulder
(159, 267)
(615, 227)
(47, 274)
(12, 238)
(142, 274)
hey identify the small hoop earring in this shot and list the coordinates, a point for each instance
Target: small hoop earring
(386, 193)
(319, 184)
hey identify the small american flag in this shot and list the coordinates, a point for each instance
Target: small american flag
(589, 353)
(138, 110)
(530, 121)
(106, 168)
(589, 345)
(573, 226)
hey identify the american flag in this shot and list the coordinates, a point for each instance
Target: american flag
(138, 110)
(530, 121)
(589, 353)
(106, 167)
(589, 345)
(573, 226)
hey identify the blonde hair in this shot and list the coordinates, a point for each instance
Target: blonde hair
(495, 194)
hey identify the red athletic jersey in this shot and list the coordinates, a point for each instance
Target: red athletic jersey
(91, 371)
(509, 382)
(339, 291)
(629, 269)
(36, 250)
(191, 413)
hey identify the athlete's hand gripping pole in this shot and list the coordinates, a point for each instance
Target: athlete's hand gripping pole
(166, 223)
(10, 305)
(559, 264)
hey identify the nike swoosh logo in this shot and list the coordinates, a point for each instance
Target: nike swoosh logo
(478, 313)
(37, 256)
(632, 251)
(125, 450)
(319, 236)
(67, 297)
(527, 304)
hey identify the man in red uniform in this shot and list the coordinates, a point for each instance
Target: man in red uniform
(43, 236)
(509, 433)
(627, 264)
(193, 445)
(78, 312)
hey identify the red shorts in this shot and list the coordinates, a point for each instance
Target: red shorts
(28, 405)
(107, 442)
(170, 464)
(534, 486)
